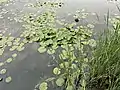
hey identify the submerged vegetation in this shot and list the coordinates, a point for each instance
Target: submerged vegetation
(83, 63)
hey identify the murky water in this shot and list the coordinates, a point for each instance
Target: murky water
(29, 65)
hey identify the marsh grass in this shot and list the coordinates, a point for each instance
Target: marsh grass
(105, 65)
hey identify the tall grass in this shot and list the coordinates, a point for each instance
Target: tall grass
(105, 65)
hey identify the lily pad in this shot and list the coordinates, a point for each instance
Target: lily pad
(69, 88)
(41, 49)
(92, 43)
(3, 71)
(51, 51)
(9, 43)
(1, 51)
(60, 81)
(43, 86)
(56, 71)
(1, 64)
(9, 60)
(8, 79)
(20, 48)
(10, 38)
(14, 55)
(13, 48)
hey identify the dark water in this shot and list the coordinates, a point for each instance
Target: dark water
(29, 65)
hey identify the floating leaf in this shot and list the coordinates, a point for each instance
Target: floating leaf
(25, 40)
(66, 64)
(1, 64)
(10, 38)
(22, 44)
(17, 39)
(74, 66)
(55, 46)
(43, 86)
(50, 51)
(49, 42)
(9, 60)
(11, 49)
(16, 43)
(69, 88)
(90, 26)
(3, 71)
(8, 79)
(92, 42)
(9, 43)
(14, 55)
(60, 81)
(1, 51)
(41, 49)
(20, 48)
(61, 65)
(86, 59)
(56, 71)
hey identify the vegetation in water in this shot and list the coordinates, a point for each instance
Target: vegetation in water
(83, 62)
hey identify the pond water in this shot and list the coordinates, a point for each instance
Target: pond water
(30, 65)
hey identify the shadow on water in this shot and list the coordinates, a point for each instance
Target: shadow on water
(28, 67)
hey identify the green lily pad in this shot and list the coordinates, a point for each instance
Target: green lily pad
(61, 65)
(17, 39)
(66, 64)
(69, 87)
(56, 71)
(25, 40)
(9, 43)
(9, 60)
(74, 66)
(1, 64)
(92, 43)
(3, 71)
(20, 48)
(90, 26)
(8, 79)
(1, 51)
(16, 43)
(41, 49)
(11, 49)
(14, 55)
(60, 81)
(30, 41)
(22, 44)
(43, 86)
(11, 38)
(50, 51)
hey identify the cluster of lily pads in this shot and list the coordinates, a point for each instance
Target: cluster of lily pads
(72, 38)
(11, 43)
(74, 41)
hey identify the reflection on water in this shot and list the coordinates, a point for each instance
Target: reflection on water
(30, 65)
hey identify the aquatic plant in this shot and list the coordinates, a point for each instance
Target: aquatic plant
(75, 40)
(82, 62)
